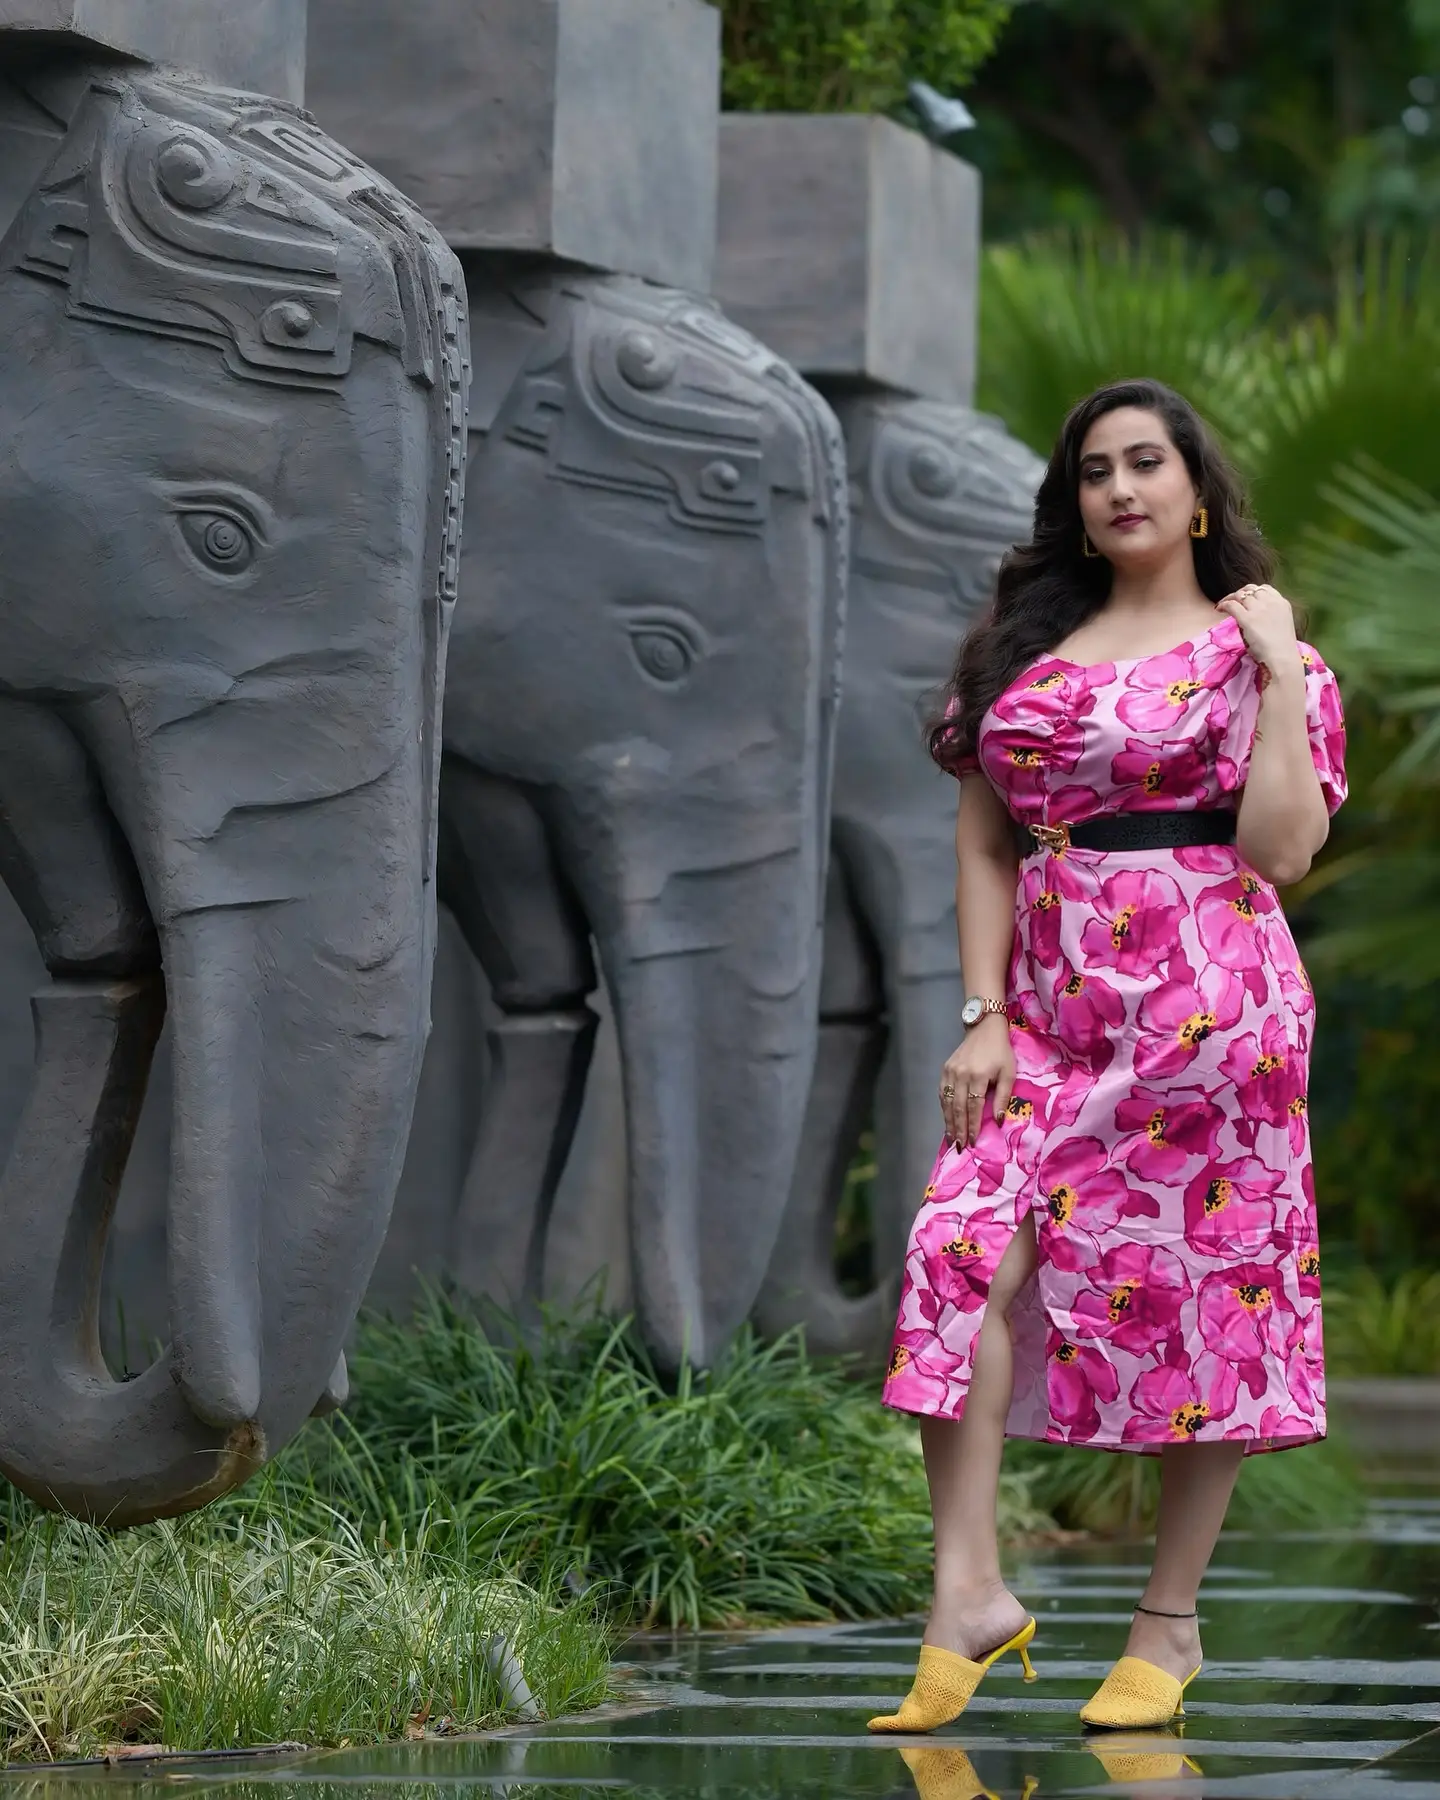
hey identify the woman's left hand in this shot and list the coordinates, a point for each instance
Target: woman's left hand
(1267, 622)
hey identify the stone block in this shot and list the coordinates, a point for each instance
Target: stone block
(581, 129)
(850, 246)
(257, 44)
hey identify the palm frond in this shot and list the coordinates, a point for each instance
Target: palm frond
(1382, 921)
(1364, 383)
(1375, 578)
(1064, 312)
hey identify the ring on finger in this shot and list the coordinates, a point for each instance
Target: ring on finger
(946, 1092)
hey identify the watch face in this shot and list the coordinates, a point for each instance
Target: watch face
(971, 1011)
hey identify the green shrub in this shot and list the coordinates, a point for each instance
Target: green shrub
(850, 55)
(1374, 1327)
(771, 1487)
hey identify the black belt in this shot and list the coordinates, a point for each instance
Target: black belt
(1132, 831)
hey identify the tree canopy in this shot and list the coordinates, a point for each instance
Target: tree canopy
(851, 55)
(1270, 131)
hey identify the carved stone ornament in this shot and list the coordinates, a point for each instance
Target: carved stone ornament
(938, 495)
(650, 391)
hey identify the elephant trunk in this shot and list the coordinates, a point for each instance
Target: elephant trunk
(298, 1014)
(714, 998)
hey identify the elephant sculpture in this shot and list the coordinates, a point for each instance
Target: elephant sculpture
(638, 744)
(233, 374)
(938, 494)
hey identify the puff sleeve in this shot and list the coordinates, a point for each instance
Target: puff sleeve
(1324, 716)
(944, 748)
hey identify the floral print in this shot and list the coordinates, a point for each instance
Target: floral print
(1161, 1020)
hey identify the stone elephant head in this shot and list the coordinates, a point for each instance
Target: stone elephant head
(638, 742)
(232, 425)
(938, 494)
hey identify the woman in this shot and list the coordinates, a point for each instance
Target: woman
(1117, 1247)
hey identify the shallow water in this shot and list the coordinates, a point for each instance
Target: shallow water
(1322, 1680)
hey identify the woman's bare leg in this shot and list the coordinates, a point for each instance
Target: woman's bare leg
(1196, 1481)
(972, 1611)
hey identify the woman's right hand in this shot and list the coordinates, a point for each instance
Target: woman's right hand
(984, 1061)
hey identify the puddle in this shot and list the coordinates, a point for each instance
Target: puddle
(1322, 1682)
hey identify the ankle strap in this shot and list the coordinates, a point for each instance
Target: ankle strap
(1155, 1612)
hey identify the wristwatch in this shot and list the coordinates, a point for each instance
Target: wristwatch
(975, 1009)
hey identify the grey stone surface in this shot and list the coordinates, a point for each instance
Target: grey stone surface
(252, 44)
(639, 728)
(850, 246)
(1392, 1420)
(587, 1245)
(584, 129)
(938, 494)
(232, 400)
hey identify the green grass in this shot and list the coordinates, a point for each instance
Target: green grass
(772, 1487)
(230, 1629)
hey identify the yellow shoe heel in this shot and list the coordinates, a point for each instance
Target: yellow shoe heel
(1136, 1694)
(944, 1683)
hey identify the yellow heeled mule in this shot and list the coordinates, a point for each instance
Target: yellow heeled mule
(1136, 1694)
(944, 1683)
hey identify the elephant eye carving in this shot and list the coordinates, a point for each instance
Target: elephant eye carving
(221, 538)
(664, 648)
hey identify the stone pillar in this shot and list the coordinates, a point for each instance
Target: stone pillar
(851, 245)
(255, 45)
(641, 693)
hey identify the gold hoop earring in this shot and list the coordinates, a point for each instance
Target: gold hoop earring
(1200, 524)
(1086, 547)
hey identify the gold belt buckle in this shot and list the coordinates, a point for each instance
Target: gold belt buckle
(1052, 837)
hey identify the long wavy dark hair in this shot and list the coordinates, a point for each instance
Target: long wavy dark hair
(1048, 588)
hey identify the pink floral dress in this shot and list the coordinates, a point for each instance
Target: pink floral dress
(1161, 1019)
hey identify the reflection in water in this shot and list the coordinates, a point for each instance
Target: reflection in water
(947, 1773)
(1141, 1756)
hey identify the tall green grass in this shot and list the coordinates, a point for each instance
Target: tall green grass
(770, 1487)
(232, 1628)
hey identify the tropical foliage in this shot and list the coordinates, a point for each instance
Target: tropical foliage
(851, 55)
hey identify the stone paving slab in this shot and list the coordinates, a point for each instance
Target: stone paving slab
(1322, 1683)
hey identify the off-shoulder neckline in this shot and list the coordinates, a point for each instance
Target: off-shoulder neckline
(1130, 662)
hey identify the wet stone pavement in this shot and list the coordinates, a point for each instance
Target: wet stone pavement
(1322, 1679)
